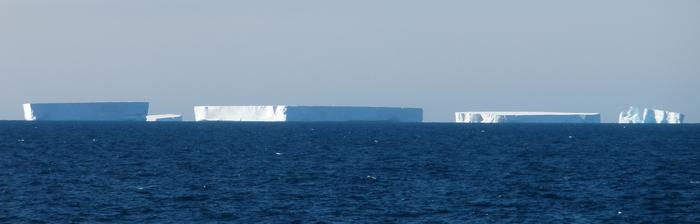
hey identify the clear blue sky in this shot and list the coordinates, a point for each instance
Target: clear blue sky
(445, 56)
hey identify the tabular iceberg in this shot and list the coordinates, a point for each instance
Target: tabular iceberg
(93, 111)
(526, 117)
(307, 113)
(635, 115)
(164, 117)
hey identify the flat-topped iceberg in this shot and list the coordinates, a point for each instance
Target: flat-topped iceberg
(526, 117)
(636, 115)
(91, 111)
(164, 117)
(307, 113)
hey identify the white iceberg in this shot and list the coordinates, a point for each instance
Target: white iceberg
(91, 111)
(307, 113)
(164, 117)
(636, 115)
(526, 117)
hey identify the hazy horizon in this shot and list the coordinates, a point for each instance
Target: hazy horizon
(445, 56)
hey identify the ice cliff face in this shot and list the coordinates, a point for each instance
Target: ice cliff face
(98, 111)
(307, 113)
(240, 113)
(164, 117)
(526, 117)
(635, 115)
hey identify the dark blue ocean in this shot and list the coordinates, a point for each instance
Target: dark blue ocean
(88, 172)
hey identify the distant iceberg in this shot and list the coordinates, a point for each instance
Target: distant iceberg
(92, 111)
(526, 117)
(307, 113)
(636, 115)
(164, 117)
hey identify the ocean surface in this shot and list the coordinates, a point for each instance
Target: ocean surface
(90, 172)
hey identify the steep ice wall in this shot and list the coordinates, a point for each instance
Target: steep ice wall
(636, 115)
(328, 113)
(164, 117)
(92, 111)
(526, 117)
(240, 113)
(632, 115)
(307, 113)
